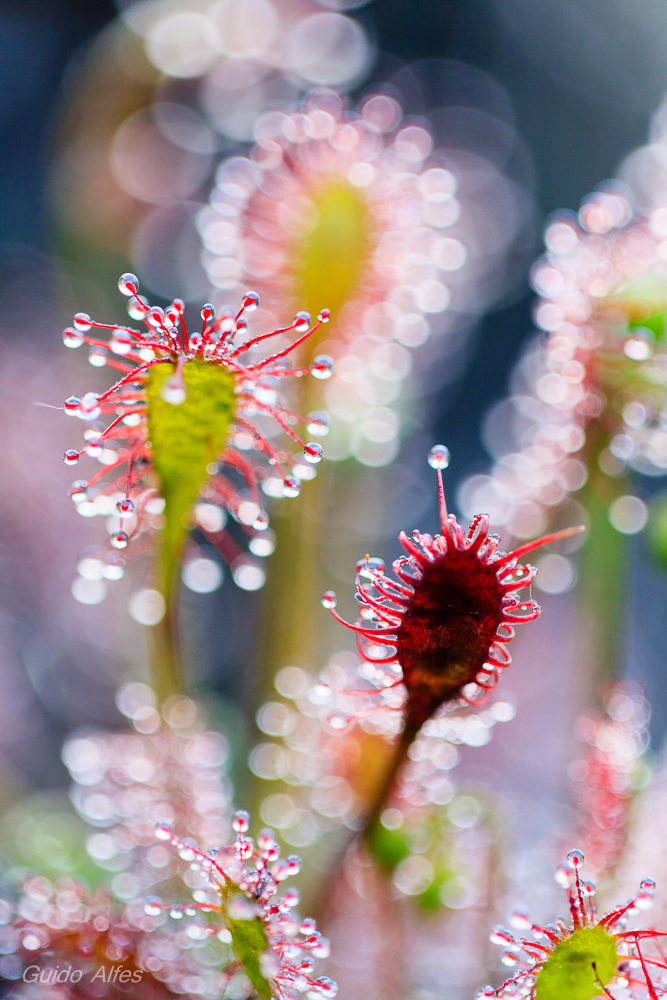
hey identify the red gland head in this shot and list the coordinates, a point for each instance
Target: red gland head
(448, 618)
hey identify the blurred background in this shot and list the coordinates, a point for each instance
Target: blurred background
(116, 122)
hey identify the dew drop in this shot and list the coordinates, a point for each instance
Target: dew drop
(72, 337)
(114, 567)
(125, 507)
(520, 920)
(563, 876)
(438, 457)
(155, 316)
(301, 322)
(322, 949)
(72, 405)
(83, 322)
(119, 539)
(176, 913)
(293, 864)
(78, 491)
(250, 301)
(71, 457)
(207, 312)
(266, 390)
(322, 366)
(329, 599)
(337, 720)
(128, 284)
(324, 316)
(575, 859)
(317, 423)
(152, 907)
(368, 567)
(97, 357)
(173, 391)
(313, 453)
(121, 342)
(647, 885)
(137, 307)
(164, 831)
(90, 407)
(263, 545)
(291, 486)
(326, 986)
(499, 935)
(291, 898)
(261, 522)
(241, 821)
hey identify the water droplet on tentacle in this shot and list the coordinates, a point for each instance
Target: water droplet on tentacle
(322, 366)
(291, 486)
(301, 322)
(78, 491)
(317, 423)
(72, 405)
(241, 821)
(313, 453)
(128, 284)
(83, 322)
(438, 457)
(329, 599)
(173, 391)
(72, 337)
(137, 307)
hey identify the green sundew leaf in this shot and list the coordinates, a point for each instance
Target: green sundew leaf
(185, 439)
(249, 942)
(329, 262)
(569, 971)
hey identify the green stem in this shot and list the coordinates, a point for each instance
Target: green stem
(602, 579)
(249, 941)
(163, 658)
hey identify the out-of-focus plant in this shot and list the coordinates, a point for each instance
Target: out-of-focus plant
(160, 94)
(609, 773)
(588, 405)
(239, 924)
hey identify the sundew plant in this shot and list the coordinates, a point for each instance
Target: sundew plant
(212, 422)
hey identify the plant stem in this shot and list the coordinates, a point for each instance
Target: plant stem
(164, 657)
(602, 580)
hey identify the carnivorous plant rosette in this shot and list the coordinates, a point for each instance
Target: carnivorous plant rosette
(236, 925)
(355, 203)
(183, 409)
(587, 956)
(446, 621)
(275, 948)
(439, 632)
